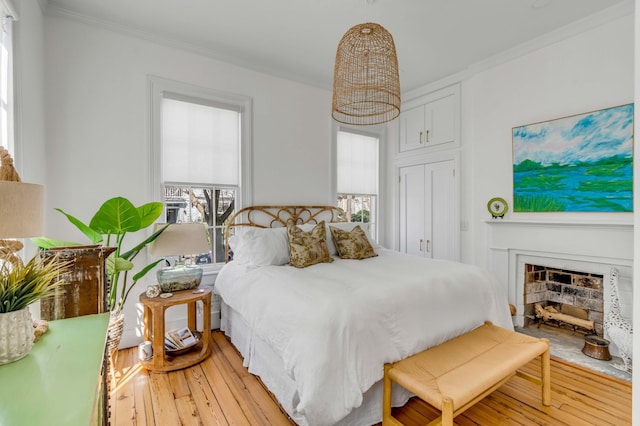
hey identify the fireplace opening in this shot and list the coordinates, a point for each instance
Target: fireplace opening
(563, 298)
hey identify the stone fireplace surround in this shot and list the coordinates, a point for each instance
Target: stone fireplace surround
(590, 247)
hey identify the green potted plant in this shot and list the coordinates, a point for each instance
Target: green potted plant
(116, 218)
(21, 285)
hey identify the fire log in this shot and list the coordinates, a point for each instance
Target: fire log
(550, 313)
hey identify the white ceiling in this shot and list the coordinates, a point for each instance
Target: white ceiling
(297, 39)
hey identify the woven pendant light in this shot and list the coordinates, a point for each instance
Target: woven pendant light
(366, 86)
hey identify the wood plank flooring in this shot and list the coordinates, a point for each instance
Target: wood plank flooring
(220, 391)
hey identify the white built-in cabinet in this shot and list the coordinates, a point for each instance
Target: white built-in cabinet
(426, 161)
(428, 210)
(431, 121)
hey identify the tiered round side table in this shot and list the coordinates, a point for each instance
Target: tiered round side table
(154, 328)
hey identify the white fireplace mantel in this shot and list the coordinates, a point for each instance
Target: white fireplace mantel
(593, 247)
(562, 224)
(609, 243)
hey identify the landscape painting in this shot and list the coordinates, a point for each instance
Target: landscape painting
(581, 163)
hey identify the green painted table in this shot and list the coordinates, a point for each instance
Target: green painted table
(60, 381)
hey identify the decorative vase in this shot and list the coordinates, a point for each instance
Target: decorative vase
(16, 335)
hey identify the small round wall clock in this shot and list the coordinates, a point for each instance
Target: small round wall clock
(497, 207)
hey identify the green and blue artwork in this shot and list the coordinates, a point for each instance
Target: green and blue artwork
(581, 163)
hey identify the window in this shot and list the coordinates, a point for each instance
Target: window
(6, 79)
(357, 178)
(200, 146)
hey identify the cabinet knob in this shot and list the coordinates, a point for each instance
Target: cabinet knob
(421, 242)
(426, 139)
(421, 138)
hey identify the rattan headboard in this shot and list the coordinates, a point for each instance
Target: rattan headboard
(278, 216)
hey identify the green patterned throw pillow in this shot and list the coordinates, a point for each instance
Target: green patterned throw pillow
(352, 245)
(308, 248)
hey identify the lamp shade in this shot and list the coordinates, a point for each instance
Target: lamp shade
(180, 239)
(21, 209)
(366, 84)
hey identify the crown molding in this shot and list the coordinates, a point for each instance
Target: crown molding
(626, 8)
(55, 10)
(623, 9)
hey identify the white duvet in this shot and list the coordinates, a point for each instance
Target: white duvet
(336, 324)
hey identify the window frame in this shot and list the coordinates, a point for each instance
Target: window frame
(379, 132)
(159, 87)
(8, 17)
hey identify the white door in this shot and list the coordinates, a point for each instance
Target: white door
(440, 176)
(412, 208)
(427, 210)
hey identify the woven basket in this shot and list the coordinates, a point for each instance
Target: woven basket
(115, 330)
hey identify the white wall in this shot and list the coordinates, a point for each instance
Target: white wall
(587, 72)
(98, 130)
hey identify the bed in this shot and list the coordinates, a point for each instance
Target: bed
(318, 336)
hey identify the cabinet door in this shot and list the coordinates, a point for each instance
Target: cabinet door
(427, 216)
(412, 209)
(440, 121)
(440, 198)
(412, 128)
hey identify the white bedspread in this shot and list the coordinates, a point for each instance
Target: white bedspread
(335, 325)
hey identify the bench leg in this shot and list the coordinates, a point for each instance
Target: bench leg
(386, 397)
(447, 412)
(545, 360)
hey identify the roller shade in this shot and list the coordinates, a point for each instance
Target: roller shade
(357, 157)
(200, 143)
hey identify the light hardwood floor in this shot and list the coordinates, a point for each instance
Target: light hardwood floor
(220, 391)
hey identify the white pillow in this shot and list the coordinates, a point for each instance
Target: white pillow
(261, 246)
(345, 226)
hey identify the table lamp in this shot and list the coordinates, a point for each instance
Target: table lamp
(180, 239)
(21, 216)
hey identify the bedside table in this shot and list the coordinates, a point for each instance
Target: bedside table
(154, 328)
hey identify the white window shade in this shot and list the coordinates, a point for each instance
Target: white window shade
(357, 157)
(200, 143)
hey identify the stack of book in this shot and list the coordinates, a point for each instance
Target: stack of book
(179, 339)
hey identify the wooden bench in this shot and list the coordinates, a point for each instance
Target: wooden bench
(455, 375)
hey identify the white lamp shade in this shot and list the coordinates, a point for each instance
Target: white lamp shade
(21, 209)
(180, 239)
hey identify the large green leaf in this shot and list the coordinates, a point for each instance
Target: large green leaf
(48, 243)
(149, 213)
(117, 264)
(116, 216)
(94, 236)
(146, 269)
